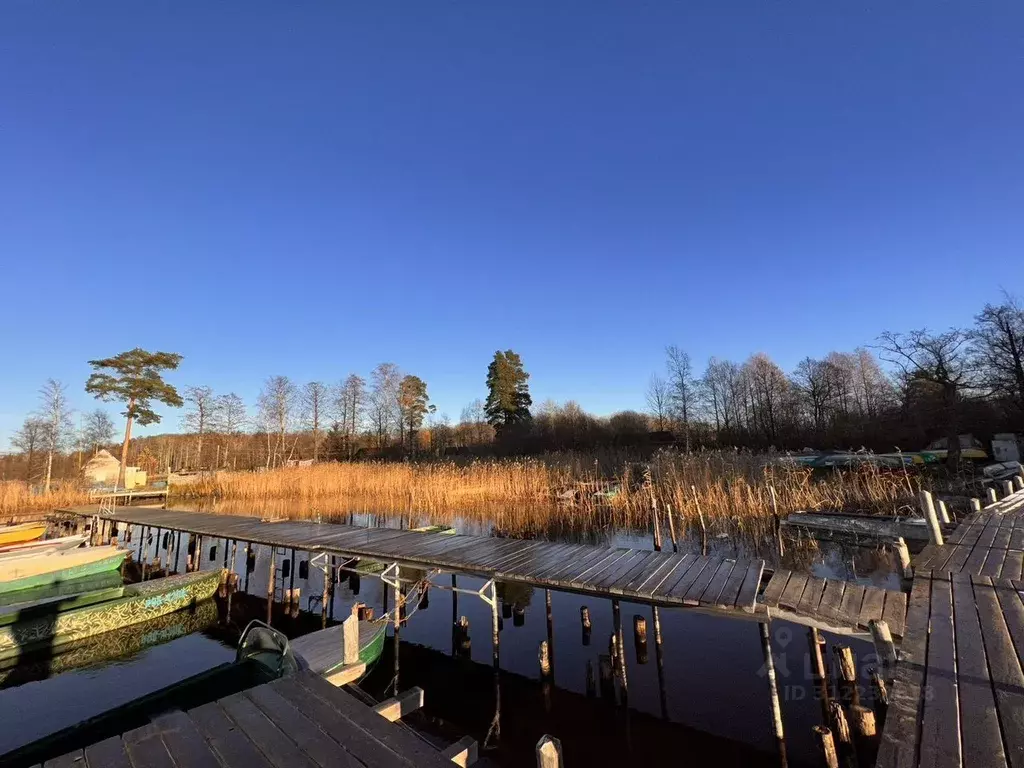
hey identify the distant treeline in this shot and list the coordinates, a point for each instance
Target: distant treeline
(904, 391)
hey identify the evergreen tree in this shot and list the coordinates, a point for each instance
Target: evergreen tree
(508, 394)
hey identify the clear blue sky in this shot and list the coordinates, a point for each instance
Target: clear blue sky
(312, 188)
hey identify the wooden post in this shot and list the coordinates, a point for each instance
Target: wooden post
(1018, 482)
(818, 671)
(903, 553)
(862, 721)
(640, 638)
(621, 645)
(839, 727)
(585, 623)
(992, 497)
(544, 660)
(551, 629)
(881, 693)
(659, 660)
(884, 647)
(649, 482)
(463, 752)
(1007, 488)
(397, 624)
(847, 674)
(773, 686)
(144, 546)
(591, 680)
(270, 586)
(928, 507)
(703, 527)
(671, 527)
(334, 581)
(828, 747)
(975, 505)
(943, 512)
(549, 752)
(350, 635)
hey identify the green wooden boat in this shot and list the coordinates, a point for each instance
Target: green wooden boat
(61, 589)
(45, 568)
(323, 652)
(53, 623)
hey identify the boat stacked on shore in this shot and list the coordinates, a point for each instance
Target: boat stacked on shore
(59, 591)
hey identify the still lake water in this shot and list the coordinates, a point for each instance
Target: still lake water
(711, 703)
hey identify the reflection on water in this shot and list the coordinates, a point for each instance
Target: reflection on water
(711, 699)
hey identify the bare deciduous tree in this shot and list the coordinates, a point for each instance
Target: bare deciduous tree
(681, 388)
(939, 362)
(30, 439)
(200, 417)
(658, 400)
(55, 412)
(383, 400)
(277, 407)
(97, 430)
(997, 349)
(230, 419)
(314, 406)
(350, 404)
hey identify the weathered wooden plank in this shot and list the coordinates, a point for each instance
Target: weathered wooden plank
(73, 759)
(276, 746)
(940, 727)
(872, 607)
(994, 562)
(747, 599)
(362, 744)
(565, 560)
(849, 607)
(230, 743)
(717, 583)
(731, 590)
(598, 568)
(900, 740)
(808, 605)
(655, 584)
(832, 599)
(638, 566)
(396, 738)
(794, 590)
(999, 607)
(149, 751)
(776, 585)
(296, 726)
(981, 549)
(577, 565)
(619, 570)
(979, 728)
(659, 562)
(696, 589)
(109, 753)
(682, 582)
(183, 741)
(895, 611)
(1012, 564)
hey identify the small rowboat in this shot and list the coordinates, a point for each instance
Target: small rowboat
(323, 652)
(43, 568)
(55, 545)
(53, 623)
(17, 534)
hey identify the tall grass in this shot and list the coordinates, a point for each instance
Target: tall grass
(18, 500)
(731, 490)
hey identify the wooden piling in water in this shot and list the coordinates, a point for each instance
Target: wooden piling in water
(659, 660)
(881, 693)
(828, 747)
(818, 671)
(672, 527)
(550, 627)
(992, 496)
(271, 586)
(621, 648)
(885, 648)
(585, 623)
(773, 686)
(975, 505)
(903, 555)
(1007, 488)
(544, 660)
(847, 674)
(928, 508)
(549, 752)
(640, 638)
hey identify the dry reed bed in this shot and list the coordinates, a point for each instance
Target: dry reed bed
(18, 500)
(730, 490)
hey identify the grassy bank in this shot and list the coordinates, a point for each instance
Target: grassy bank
(730, 490)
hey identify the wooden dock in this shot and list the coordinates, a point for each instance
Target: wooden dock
(658, 578)
(958, 695)
(296, 722)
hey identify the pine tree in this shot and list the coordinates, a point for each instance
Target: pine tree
(508, 394)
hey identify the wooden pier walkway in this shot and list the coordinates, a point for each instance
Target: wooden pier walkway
(958, 695)
(296, 722)
(659, 578)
